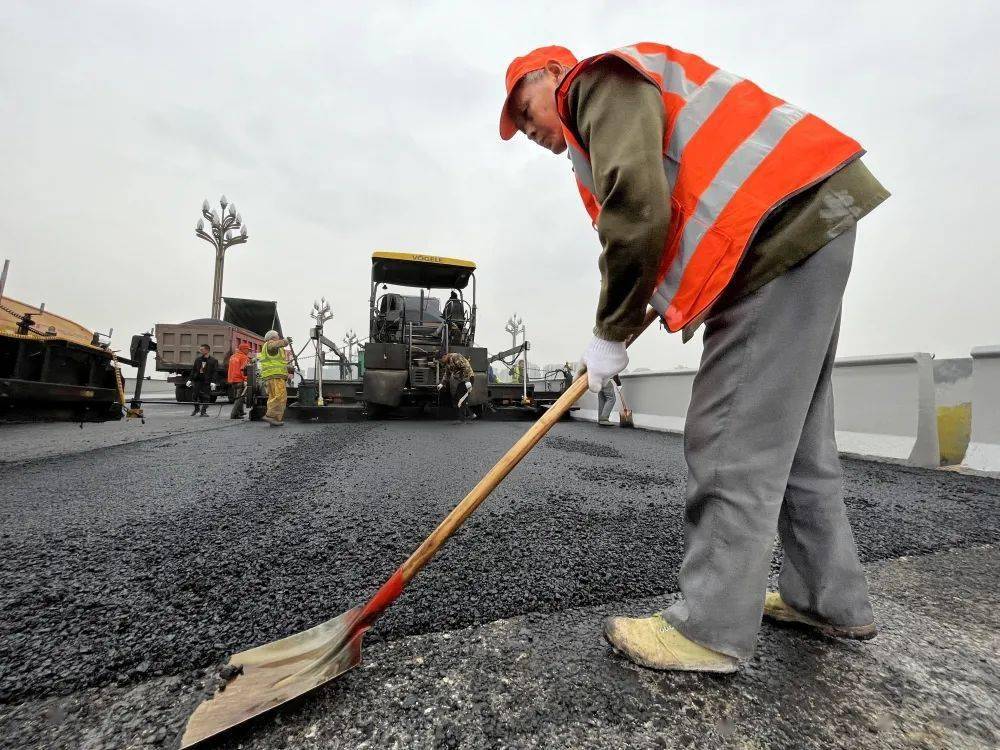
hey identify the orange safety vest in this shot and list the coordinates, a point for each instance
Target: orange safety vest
(732, 153)
(236, 364)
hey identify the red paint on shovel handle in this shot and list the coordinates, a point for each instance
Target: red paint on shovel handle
(385, 596)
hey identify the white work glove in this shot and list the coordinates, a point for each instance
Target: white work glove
(602, 360)
(468, 386)
(188, 384)
(211, 386)
(440, 386)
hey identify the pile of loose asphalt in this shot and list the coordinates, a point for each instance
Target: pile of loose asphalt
(130, 572)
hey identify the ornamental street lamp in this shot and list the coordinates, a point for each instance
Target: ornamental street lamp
(321, 313)
(350, 341)
(227, 229)
(515, 326)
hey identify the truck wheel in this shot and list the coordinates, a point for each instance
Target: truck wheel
(183, 393)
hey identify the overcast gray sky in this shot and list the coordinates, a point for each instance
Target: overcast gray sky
(340, 128)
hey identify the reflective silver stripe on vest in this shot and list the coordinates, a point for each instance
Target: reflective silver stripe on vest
(729, 179)
(675, 80)
(581, 165)
(692, 116)
(702, 103)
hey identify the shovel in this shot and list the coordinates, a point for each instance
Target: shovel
(272, 674)
(624, 413)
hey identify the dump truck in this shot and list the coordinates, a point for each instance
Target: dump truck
(244, 321)
(410, 328)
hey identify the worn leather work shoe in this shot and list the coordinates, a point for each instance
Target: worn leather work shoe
(776, 609)
(653, 642)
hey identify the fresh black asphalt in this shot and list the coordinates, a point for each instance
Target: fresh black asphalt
(147, 563)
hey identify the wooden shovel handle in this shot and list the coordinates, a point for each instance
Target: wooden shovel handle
(394, 586)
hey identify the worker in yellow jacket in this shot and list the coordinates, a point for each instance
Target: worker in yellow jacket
(274, 371)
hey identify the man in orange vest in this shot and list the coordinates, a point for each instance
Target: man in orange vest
(720, 204)
(236, 377)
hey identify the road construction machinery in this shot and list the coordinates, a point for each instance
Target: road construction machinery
(52, 368)
(420, 308)
(429, 311)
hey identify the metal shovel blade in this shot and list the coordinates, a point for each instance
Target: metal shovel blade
(278, 672)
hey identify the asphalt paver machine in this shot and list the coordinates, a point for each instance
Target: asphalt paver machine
(421, 306)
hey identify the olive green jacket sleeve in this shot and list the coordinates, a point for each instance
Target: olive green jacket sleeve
(619, 117)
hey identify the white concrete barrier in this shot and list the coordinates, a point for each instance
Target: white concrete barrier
(884, 407)
(151, 388)
(587, 407)
(983, 453)
(658, 400)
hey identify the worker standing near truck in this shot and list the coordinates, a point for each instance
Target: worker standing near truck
(458, 374)
(202, 381)
(274, 371)
(718, 203)
(236, 378)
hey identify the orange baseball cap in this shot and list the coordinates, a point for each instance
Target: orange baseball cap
(519, 68)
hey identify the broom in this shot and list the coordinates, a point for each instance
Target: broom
(624, 413)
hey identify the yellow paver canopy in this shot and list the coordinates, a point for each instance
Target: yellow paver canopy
(421, 270)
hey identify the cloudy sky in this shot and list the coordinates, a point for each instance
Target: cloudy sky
(338, 129)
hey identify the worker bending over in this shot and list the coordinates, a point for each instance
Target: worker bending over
(720, 204)
(202, 380)
(274, 371)
(236, 377)
(458, 375)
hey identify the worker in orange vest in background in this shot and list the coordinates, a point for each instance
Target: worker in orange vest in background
(236, 377)
(720, 204)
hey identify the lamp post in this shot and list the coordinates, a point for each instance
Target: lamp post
(226, 229)
(515, 326)
(321, 313)
(350, 341)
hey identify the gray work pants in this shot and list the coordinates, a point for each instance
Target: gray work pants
(606, 402)
(762, 458)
